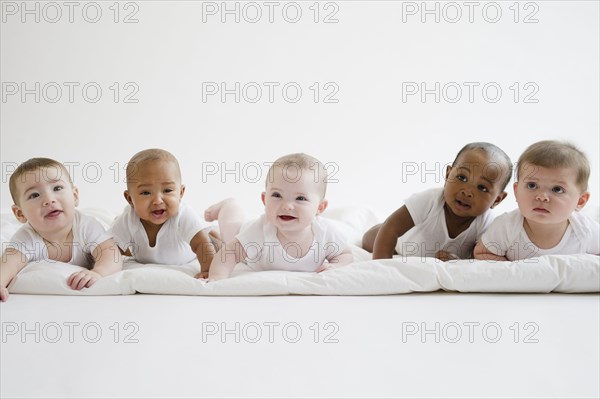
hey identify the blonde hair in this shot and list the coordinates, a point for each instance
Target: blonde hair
(149, 155)
(33, 165)
(300, 162)
(557, 154)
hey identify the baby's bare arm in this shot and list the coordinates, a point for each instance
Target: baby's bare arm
(394, 226)
(107, 261)
(344, 258)
(205, 251)
(13, 261)
(482, 253)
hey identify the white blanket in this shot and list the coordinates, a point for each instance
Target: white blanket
(555, 273)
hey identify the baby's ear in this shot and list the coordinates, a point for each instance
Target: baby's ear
(499, 199)
(128, 197)
(18, 214)
(181, 191)
(76, 195)
(262, 196)
(448, 170)
(583, 199)
(322, 206)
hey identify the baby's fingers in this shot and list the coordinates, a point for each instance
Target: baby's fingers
(3, 294)
(79, 280)
(91, 282)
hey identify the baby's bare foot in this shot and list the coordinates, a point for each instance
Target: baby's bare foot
(212, 212)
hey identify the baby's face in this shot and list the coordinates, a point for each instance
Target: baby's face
(474, 184)
(155, 191)
(546, 195)
(292, 199)
(46, 199)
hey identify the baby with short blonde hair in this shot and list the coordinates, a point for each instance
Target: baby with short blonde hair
(290, 235)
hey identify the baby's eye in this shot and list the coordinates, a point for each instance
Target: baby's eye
(558, 190)
(58, 188)
(33, 195)
(276, 195)
(531, 185)
(145, 193)
(169, 190)
(462, 178)
(301, 198)
(483, 188)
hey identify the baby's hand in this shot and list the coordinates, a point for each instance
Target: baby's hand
(446, 256)
(82, 279)
(3, 294)
(202, 275)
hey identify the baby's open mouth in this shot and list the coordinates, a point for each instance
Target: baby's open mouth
(159, 212)
(463, 204)
(54, 213)
(286, 217)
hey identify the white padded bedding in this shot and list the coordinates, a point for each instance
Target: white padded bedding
(567, 274)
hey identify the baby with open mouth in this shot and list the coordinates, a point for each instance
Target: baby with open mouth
(290, 235)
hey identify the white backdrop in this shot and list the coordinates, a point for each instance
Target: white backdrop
(79, 87)
(383, 92)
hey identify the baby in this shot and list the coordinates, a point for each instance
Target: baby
(156, 226)
(290, 235)
(45, 199)
(446, 222)
(550, 191)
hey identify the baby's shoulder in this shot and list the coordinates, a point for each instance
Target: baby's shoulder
(330, 230)
(25, 234)
(511, 218)
(584, 226)
(505, 226)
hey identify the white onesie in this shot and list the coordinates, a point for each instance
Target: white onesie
(507, 237)
(265, 252)
(430, 233)
(172, 242)
(88, 233)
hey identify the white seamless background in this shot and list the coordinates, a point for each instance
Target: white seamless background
(370, 126)
(382, 142)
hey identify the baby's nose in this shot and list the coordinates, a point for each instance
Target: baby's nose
(48, 199)
(543, 196)
(467, 192)
(157, 199)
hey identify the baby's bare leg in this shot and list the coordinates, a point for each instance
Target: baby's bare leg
(230, 215)
(368, 241)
